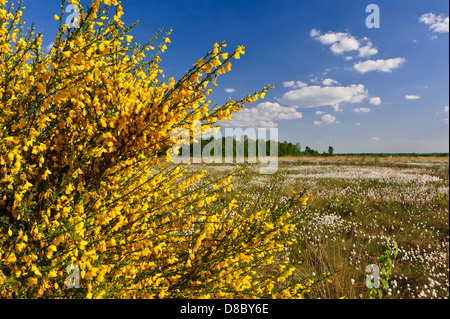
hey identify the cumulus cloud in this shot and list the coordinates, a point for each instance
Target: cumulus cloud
(327, 119)
(230, 90)
(379, 65)
(342, 42)
(367, 50)
(288, 84)
(295, 85)
(436, 23)
(375, 101)
(328, 82)
(314, 33)
(412, 97)
(263, 115)
(361, 110)
(315, 96)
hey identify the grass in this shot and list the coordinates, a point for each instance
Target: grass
(360, 205)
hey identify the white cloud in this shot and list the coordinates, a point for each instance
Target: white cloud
(328, 82)
(263, 115)
(361, 110)
(439, 24)
(376, 139)
(315, 96)
(319, 112)
(336, 108)
(300, 84)
(295, 85)
(289, 84)
(344, 42)
(357, 124)
(367, 50)
(379, 65)
(327, 119)
(230, 90)
(375, 101)
(412, 97)
(314, 33)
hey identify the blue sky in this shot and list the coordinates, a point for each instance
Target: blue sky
(337, 82)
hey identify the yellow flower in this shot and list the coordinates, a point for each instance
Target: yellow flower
(228, 66)
(304, 200)
(20, 247)
(69, 189)
(36, 271)
(239, 51)
(32, 281)
(51, 248)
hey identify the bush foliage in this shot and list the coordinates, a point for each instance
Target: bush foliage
(81, 183)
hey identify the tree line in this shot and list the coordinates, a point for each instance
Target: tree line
(245, 146)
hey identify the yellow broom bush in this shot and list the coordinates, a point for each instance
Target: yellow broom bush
(86, 191)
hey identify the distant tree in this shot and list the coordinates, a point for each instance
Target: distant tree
(330, 150)
(310, 152)
(290, 150)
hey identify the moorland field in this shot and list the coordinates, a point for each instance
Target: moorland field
(360, 206)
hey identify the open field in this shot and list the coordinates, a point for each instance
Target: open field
(359, 206)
